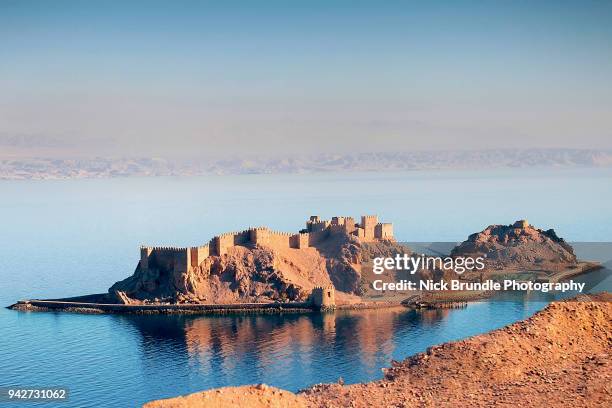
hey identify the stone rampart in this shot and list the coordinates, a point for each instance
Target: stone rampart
(181, 259)
(383, 230)
(165, 258)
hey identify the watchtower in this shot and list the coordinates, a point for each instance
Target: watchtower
(324, 297)
(383, 230)
(145, 252)
(368, 223)
(260, 236)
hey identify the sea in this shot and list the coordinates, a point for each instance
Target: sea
(64, 238)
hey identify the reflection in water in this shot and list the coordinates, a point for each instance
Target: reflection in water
(277, 345)
(183, 354)
(127, 360)
(151, 357)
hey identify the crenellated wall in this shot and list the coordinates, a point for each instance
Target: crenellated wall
(314, 226)
(316, 237)
(318, 230)
(260, 236)
(242, 237)
(222, 243)
(343, 224)
(145, 252)
(198, 254)
(337, 221)
(165, 258)
(368, 223)
(349, 223)
(280, 239)
(383, 230)
(300, 240)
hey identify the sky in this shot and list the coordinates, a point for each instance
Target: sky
(220, 78)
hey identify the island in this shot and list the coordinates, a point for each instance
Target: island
(324, 266)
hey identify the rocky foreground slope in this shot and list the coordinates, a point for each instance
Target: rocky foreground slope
(560, 357)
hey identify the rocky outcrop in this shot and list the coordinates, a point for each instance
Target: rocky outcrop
(560, 357)
(257, 273)
(518, 246)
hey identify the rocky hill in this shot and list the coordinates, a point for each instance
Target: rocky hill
(518, 246)
(259, 273)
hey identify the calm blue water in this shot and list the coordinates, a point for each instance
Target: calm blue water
(63, 238)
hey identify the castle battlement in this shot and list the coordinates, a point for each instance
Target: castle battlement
(317, 230)
(165, 248)
(323, 297)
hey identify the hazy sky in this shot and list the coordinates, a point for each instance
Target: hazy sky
(219, 77)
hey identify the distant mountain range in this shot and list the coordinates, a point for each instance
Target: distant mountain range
(58, 168)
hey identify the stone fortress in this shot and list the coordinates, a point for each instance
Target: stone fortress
(317, 230)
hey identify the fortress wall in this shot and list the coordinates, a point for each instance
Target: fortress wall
(267, 237)
(198, 254)
(170, 259)
(317, 236)
(180, 259)
(360, 232)
(145, 252)
(337, 221)
(349, 222)
(383, 230)
(294, 241)
(343, 224)
(368, 223)
(242, 237)
(339, 228)
(222, 243)
(280, 239)
(260, 236)
(212, 246)
(317, 225)
(299, 240)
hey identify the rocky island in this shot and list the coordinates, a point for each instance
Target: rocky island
(519, 246)
(523, 251)
(317, 267)
(260, 265)
(325, 265)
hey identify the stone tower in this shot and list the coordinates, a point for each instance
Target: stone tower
(368, 223)
(324, 297)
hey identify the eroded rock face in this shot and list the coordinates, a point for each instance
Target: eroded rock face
(242, 275)
(518, 246)
(255, 274)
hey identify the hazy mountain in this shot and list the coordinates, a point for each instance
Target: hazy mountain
(54, 168)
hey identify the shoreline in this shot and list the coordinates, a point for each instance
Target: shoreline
(63, 305)
(93, 304)
(558, 357)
